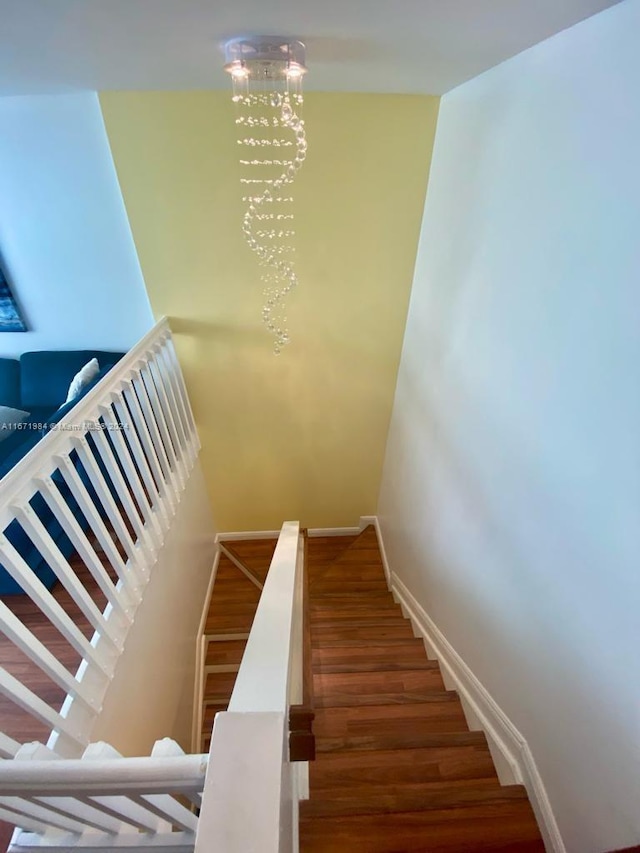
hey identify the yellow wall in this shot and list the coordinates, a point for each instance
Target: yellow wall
(301, 435)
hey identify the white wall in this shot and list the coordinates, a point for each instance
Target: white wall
(510, 502)
(65, 240)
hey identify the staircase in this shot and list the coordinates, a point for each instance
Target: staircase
(397, 768)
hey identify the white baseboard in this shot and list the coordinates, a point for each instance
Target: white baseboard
(232, 536)
(513, 758)
(365, 520)
(314, 532)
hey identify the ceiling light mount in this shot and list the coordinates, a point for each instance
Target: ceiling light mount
(265, 58)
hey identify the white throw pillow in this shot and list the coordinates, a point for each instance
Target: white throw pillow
(82, 378)
(10, 420)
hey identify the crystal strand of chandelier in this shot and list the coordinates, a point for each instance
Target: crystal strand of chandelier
(280, 276)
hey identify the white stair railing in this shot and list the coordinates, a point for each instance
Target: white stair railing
(102, 801)
(105, 482)
(251, 794)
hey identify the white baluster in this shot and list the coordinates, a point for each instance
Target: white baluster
(85, 549)
(101, 487)
(161, 420)
(161, 390)
(148, 497)
(126, 501)
(144, 400)
(43, 541)
(23, 575)
(164, 498)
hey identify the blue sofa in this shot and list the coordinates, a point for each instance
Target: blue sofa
(37, 383)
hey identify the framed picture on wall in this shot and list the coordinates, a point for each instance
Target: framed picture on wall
(10, 319)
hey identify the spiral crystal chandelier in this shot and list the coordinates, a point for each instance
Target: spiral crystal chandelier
(267, 74)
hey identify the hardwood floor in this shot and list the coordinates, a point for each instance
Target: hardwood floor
(397, 768)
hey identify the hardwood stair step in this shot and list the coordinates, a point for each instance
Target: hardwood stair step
(507, 827)
(326, 636)
(219, 607)
(349, 613)
(435, 795)
(366, 554)
(346, 584)
(444, 713)
(219, 684)
(225, 652)
(350, 571)
(364, 599)
(229, 623)
(406, 654)
(370, 770)
(374, 666)
(375, 688)
(404, 739)
(359, 621)
(377, 601)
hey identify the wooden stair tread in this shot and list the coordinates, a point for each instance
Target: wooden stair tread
(340, 635)
(507, 827)
(336, 621)
(443, 714)
(372, 769)
(435, 795)
(338, 604)
(407, 654)
(234, 623)
(376, 688)
(373, 666)
(219, 683)
(225, 652)
(403, 739)
(347, 585)
(378, 681)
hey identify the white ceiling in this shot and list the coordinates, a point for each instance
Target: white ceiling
(426, 46)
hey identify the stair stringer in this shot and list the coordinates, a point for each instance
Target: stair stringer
(510, 751)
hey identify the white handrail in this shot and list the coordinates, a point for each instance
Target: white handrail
(263, 678)
(141, 775)
(250, 799)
